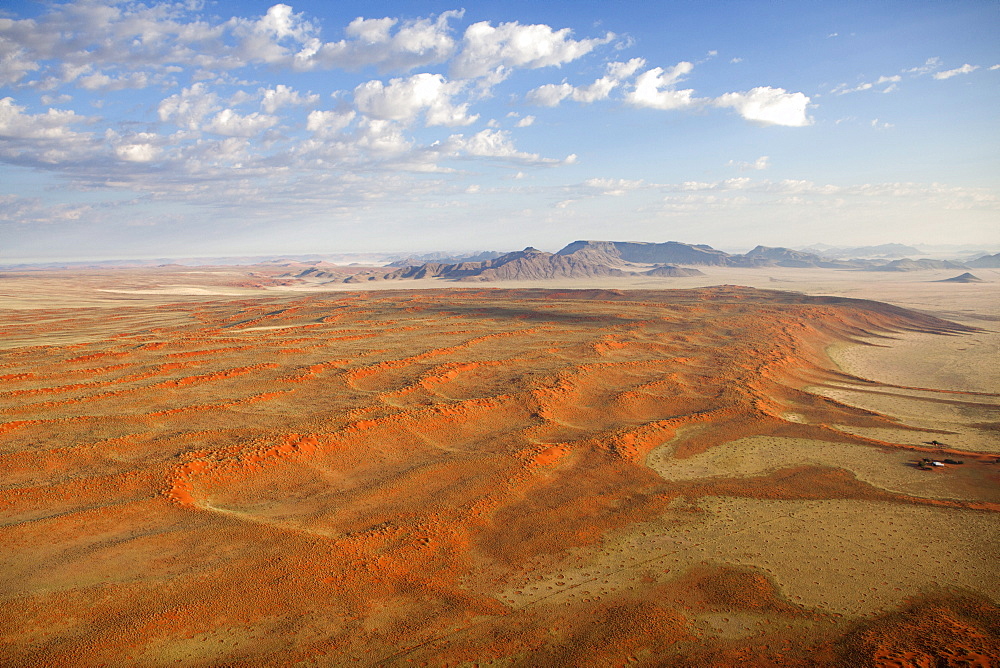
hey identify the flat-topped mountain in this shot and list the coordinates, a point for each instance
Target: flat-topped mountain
(669, 252)
(527, 264)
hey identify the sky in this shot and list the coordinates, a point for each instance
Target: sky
(181, 129)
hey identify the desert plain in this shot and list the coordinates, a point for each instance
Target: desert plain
(214, 466)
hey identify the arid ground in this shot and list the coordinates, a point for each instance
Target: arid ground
(208, 467)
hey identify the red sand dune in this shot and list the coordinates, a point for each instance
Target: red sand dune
(366, 493)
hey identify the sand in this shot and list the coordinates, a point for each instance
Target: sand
(499, 475)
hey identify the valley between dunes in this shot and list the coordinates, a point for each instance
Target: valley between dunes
(516, 476)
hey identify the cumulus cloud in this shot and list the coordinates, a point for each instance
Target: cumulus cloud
(495, 144)
(139, 147)
(372, 42)
(964, 69)
(54, 124)
(526, 121)
(99, 81)
(284, 96)
(188, 108)
(769, 106)
(381, 137)
(655, 88)
(43, 140)
(15, 63)
(403, 99)
(231, 124)
(142, 39)
(274, 38)
(493, 50)
(550, 95)
(328, 123)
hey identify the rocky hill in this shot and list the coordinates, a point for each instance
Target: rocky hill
(768, 256)
(985, 262)
(963, 278)
(670, 270)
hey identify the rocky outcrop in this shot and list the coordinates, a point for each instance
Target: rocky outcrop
(672, 271)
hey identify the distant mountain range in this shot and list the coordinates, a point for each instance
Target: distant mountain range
(578, 259)
(589, 259)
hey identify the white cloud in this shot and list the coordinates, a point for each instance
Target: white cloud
(231, 124)
(284, 96)
(139, 147)
(371, 42)
(56, 99)
(964, 69)
(619, 71)
(614, 186)
(763, 162)
(328, 123)
(273, 38)
(843, 89)
(142, 40)
(492, 50)
(381, 137)
(103, 82)
(403, 99)
(188, 108)
(54, 124)
(654, 88)
(769, 106)
(14, 62)
(526, 121)
(549, 95)
(929, 65)
(494, 144)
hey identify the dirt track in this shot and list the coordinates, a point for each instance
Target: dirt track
(528, 477)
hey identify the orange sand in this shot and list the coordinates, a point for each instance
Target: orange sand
(357, 480)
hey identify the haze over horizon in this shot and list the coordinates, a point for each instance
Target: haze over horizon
(192, 129)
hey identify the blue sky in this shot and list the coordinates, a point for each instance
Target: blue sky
(197, 128)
